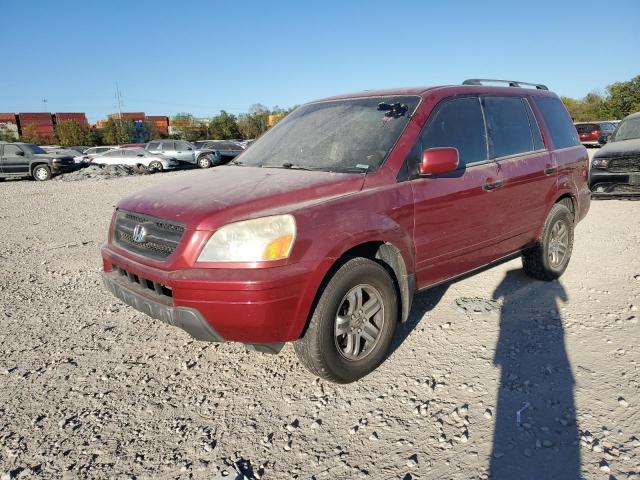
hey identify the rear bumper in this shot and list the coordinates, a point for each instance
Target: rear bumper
(253, 306)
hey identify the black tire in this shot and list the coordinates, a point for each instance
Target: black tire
(538, 261)
(319, 350)
(155, 166)
(41, 173)
(204, 161)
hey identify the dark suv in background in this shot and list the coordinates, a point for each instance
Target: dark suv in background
(615, 168)
(28, 160)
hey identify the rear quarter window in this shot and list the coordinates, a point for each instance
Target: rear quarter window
(561, 130)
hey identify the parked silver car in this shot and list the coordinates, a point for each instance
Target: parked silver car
(226, 148)
(185, 152)
(136, 157)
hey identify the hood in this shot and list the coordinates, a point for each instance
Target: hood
(622, 148)
(230, 193)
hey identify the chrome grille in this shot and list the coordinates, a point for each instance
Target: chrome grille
(625, 164)
(160, 239)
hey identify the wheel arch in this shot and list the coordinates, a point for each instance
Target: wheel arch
(385, 253)
(570, 201)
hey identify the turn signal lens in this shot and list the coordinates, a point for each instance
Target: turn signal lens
(279, 248)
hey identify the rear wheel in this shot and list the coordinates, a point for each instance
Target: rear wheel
(155, 166)
(549, 258)
(42, 173)
(352, 325)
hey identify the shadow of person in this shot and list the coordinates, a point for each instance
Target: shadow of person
(536, 380)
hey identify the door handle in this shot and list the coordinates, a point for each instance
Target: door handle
(491, 186)
(549, 170)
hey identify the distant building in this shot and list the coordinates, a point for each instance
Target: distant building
(161, 123)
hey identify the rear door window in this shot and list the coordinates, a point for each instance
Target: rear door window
(458, 123)
(561, 129)
(508, 126)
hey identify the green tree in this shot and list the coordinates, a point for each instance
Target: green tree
(71, 133)
(224, 126)
(624, 98)
(30, 134)
(188, 128)
(619, 100)
(255, 122)
(147, 132)
(6, 135)
(118, 130)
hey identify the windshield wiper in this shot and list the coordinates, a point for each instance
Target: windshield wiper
(291, 166)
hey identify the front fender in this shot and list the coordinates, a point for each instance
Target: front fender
(325, 239)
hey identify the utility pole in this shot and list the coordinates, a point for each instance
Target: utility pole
(119, 105)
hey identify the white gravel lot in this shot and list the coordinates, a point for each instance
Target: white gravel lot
(89, 388)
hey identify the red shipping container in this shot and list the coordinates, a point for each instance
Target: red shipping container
(81, 118)
(8, 118)
(35, 119)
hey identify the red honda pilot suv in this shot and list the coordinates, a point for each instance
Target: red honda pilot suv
(322, 231)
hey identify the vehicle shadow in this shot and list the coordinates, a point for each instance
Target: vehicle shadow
(535, 380)
(422, 303)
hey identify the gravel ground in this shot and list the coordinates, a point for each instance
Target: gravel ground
(89, 388)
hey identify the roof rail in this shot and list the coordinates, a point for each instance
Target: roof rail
(511, 83)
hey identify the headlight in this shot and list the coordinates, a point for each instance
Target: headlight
(600, 163)
(257, 240)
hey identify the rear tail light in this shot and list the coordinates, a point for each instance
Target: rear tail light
(597, 132)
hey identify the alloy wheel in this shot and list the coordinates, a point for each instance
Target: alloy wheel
(358, 322)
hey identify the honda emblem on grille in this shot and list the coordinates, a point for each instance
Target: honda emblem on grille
(139, 232)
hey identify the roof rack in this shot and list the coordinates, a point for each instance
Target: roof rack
(511, 83)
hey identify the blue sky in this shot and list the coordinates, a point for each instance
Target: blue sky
(203, 56)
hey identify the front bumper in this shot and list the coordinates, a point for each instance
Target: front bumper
(607, 184)
(254, 306)
(154, 305)
(63, 167)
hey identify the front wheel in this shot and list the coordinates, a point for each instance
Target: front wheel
(549, 258)
(42, 173)
(205, 161)
(352, 325)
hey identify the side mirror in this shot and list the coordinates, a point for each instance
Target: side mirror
(438, 160)
(20, 153)
(189, 148)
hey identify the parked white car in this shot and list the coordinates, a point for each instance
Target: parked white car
(136, 157)
(89, 153)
